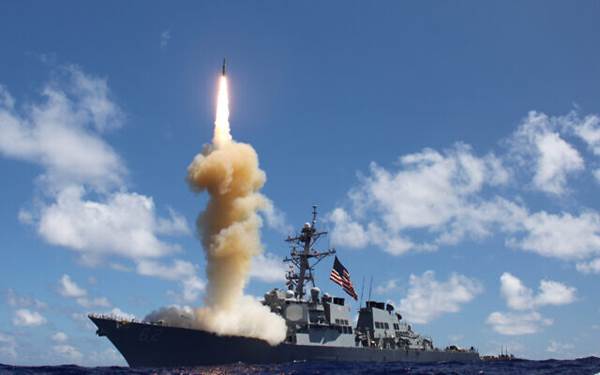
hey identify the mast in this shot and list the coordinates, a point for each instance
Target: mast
(302, 250)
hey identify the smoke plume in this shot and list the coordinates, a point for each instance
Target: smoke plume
(229, 228)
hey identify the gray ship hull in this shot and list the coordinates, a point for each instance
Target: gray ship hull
(148, 345)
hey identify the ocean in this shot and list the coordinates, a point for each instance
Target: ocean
(587, 366)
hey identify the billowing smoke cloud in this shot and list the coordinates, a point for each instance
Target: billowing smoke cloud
(230, 231)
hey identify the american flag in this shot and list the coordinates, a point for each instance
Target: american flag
(341, 276)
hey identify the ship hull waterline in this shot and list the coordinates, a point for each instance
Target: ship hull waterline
(149, 345)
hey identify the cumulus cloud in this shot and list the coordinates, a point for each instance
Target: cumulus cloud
(538, 139)
(28, 318)
(430, 190)
(563, 236)
(274, 217)
(387, 287)
(67, 352)
(428, 298)
(123, 224)
(554, 293)
(347, 232)
(69, 289)
(14, 299)
(60, 133)
(182, 271)
(517, 295)
(562, 350)
(83, 203)
(587, 128)
(592, 266)
(59, 337)
(436, 198)
(267, 267)
(520, 297)
(509, 323)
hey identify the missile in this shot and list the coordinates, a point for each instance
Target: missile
(223, 69)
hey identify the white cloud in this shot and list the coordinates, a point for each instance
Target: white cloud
(554, 158)
(520, 297)
(68, 352)
(428, 298)
(68, 288)
(165, 37)
(592, 266)
(95, 98)
(275, 218)
(387, 287)
(508, 323)
(59, 337)
(267, 267)
(180, 270)
(587, 129)
(443, 198)
(13, 299)
(83, 203)
(557, 159)
(8, 344)
(562, 349)
(60, 133)
(28, 318)
(554, 293)
(347, 233)
(430, 190)
(563, 236)
(125, 224)
(175, 224)
(517, 295)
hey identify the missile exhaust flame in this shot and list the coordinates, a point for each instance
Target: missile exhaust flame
(229, 228)
(222, 133)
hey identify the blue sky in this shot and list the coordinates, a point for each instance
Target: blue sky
(453, 149)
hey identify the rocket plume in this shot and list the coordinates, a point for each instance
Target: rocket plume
(222, 130)
(229, 228)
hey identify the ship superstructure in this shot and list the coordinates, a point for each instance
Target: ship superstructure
(319, 327)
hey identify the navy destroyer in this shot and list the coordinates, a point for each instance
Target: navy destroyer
(319, 327)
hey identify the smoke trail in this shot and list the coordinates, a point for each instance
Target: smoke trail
(230, 232)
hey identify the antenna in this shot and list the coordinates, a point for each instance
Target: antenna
(370, 287)
(362, 288)
(301, 254)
